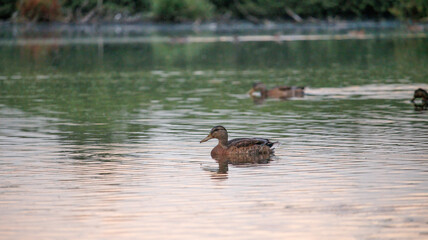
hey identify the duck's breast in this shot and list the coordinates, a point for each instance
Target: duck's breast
(218, 151)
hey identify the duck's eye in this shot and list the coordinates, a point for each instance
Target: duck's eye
(215, 130)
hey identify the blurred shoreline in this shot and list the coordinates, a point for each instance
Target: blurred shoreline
(9, 30)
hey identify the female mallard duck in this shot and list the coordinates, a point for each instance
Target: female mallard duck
(420, 93)
(239, 145)
(281, 92)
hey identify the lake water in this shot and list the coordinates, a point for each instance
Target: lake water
(99, 138)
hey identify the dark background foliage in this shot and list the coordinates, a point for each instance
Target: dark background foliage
(191, 10)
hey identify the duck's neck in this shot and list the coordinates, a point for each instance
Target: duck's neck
(223, 142)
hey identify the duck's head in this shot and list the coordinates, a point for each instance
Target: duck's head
(257, 87)
(218, 132)
(420, 93)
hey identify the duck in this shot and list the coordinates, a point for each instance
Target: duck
(420, 93)
(238, 146)
(280, 92)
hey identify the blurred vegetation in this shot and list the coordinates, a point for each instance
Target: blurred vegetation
(77, 10)
(181, 10)
(192, 10)
(413, 9)
(39, 10)
(7, 8)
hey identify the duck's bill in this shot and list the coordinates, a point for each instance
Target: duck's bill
(206, 139)
(251, 91)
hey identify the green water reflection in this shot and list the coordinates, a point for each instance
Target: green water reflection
(96, 91)
(342, 55)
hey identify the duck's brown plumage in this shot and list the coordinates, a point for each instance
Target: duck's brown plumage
(239, 145)
(281, 92)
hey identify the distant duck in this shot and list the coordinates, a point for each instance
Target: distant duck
(251, 146)
(420, 93)
(280, 92)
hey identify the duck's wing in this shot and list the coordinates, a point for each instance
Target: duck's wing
(288, 88)
(284, 88)
(248, 142)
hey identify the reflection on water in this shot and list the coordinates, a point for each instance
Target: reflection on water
(114, 152)
(237, 160)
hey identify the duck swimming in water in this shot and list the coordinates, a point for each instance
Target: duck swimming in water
(252, 146)
(420, 93)
(281, 92)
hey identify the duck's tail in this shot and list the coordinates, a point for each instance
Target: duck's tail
(273, 145)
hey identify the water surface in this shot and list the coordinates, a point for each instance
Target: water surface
(101, 141)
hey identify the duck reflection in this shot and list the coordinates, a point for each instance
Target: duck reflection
(420, 94)
(280, 92)
(237, 160)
